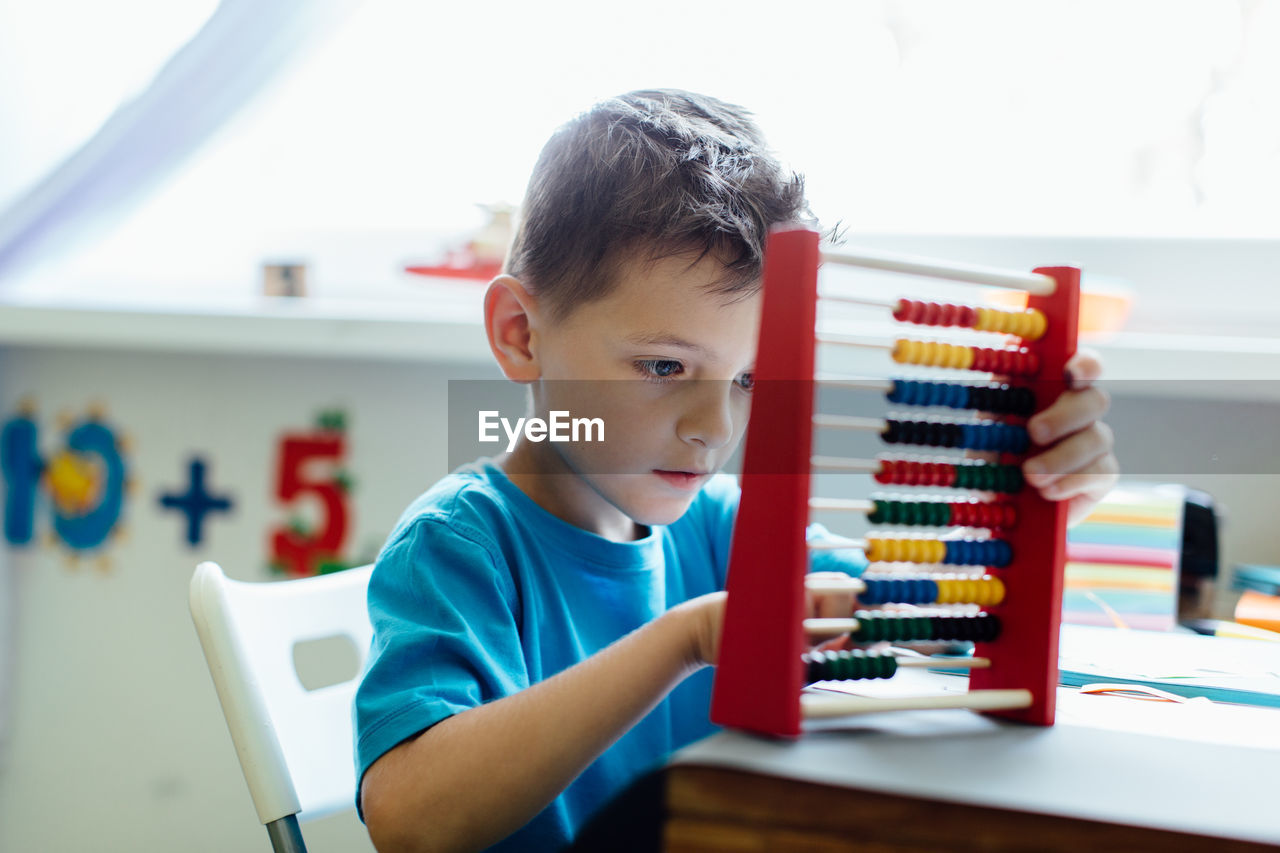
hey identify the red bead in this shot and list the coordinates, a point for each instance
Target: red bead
(902, 310)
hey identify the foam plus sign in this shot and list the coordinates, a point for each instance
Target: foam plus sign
(195, 503)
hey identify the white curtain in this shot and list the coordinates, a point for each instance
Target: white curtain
(244, 45)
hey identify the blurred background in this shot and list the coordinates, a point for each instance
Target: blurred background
(231, 228)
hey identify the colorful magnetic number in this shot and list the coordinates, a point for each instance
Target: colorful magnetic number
(295, 549)
(85, 482)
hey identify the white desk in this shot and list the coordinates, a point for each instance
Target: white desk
(1177, 770)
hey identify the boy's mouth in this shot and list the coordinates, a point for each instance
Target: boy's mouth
(682, 479)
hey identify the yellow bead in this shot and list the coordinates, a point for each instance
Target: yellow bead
(1039, 325)
(997, 590)
(983, 323)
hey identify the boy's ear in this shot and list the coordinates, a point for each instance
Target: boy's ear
(508, 323)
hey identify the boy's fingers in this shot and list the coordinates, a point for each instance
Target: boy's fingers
(1072, 411)
(1079, 507)
(1083, 369)
(1094, 480)
(1070, 455)
(827, 605)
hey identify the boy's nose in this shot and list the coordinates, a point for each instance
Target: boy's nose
(708, 420)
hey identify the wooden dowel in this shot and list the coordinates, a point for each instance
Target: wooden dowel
(882, 385)
(944, 662)
(851, 341)
(830, 627)
(840, 545)
(832, 583)
(849, 422)
(1040, 285)
(847, 299)
(841, 504)
(838, 463)
(816, 705)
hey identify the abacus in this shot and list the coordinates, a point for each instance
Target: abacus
(1019, 544)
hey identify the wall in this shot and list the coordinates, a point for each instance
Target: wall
(117, 739)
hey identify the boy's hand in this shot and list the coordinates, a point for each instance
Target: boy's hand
(1078, 465)
(704, 618)
(828, 604)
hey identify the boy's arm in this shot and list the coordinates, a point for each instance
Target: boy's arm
(476, 777)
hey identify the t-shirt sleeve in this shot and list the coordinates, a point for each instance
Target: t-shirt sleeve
(721, 508)
(720, 503)
(851, 561)
(722, 496)
(445, 635)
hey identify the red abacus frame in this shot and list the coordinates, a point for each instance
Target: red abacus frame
(760, 673)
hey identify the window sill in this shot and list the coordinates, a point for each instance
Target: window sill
(447, 329)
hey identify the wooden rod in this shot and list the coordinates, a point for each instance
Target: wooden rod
(883, 385)
(841, 504)
(851, 341)
(830, 626)
(832, 583)
(1034, 283)
(823, 705)
(837, 463)
(826, 421)
(952, 663)
(847, 299)
(841, 545)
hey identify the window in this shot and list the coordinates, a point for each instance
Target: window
(1069, 118)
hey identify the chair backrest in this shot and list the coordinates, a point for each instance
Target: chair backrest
(294, 744)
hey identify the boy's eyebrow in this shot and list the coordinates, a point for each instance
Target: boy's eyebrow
(664, 339)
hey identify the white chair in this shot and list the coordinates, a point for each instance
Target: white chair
(294, 744)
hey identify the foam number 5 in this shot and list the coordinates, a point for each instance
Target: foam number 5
(296, 550)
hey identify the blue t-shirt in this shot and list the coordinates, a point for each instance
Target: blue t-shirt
(480, 592)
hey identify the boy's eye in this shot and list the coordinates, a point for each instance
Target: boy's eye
(658, 369)
(747, 381)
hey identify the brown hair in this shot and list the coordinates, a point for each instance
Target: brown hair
(647, 175)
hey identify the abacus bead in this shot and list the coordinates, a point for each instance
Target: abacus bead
(879, 512)
(873, 592)
(930, 593)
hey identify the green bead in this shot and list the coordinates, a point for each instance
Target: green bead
(877, 514)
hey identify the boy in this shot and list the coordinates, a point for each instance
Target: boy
(541, 618)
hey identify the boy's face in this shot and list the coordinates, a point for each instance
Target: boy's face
(666, 364)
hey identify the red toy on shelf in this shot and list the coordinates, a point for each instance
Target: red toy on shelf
(1008, 569)
(481, 257)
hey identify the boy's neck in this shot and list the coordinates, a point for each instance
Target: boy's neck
(540, 472)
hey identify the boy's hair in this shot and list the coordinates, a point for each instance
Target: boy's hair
(643, 176)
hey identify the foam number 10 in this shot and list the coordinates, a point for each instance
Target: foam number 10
(21, 464)
(296, 549)
(85, 482)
